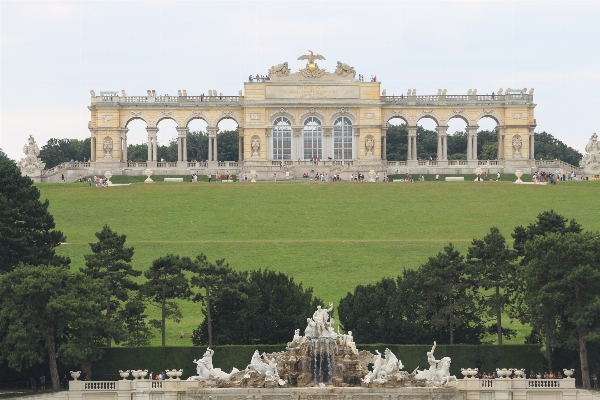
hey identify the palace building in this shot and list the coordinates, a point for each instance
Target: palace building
(312, 120)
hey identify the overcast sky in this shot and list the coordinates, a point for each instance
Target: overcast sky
(53, 53)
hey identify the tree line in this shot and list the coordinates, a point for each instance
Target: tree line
(546, 146)
(550, 279)
(58, 151)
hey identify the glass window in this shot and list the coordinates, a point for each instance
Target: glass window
(282, 139)
(312, 138)
(342, 139)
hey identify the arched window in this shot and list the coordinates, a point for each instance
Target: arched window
(282, 139)
(342, 139)
(312, 138)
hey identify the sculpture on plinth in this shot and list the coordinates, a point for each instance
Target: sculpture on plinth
(345, 70)
(255, 144)
(312, 69)
(438, 372)
(31, 165)
(108, 145)
(591, 161)
(369, 143)
(205, 371)
(279, 70)
(517, 142)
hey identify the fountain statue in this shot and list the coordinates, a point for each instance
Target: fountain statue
(205, 370)
(320, 358)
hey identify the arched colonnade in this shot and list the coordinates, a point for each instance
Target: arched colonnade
(442, 128)
(100, 135)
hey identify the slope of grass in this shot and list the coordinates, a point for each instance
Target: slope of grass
(330, 236)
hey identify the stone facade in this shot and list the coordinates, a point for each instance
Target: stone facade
(313, 94)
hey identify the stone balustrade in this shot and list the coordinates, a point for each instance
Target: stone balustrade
(162, 100)
(514, 98)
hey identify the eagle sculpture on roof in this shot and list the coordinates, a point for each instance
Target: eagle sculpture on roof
(311, 57)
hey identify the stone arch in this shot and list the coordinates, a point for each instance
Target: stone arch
(343, 112)
(166, 115)
(196, 115)
(282, 112)
(492, 114)
(227, 114)
(135, 115)
(459, 114)
(312, 112)
(429, 114)
(396, 114)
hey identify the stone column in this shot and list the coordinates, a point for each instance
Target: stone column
(412, 143)
(182, 145)
(93, 145)
(500, 130)
(212, 134)
(442, 151)
(327, 147)
(472, 142)
(240, 144)
(152, 149)
(155, 148)
(216, 155)
(384, 143)
(268, 146)
(297, 143)
(124, 144)
(531, 143)
(356, 144)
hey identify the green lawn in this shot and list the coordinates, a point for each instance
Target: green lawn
(330, 236)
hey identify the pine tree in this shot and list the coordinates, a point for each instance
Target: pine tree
(27, 231)
(109, 264)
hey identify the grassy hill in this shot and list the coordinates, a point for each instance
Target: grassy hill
(330, 236)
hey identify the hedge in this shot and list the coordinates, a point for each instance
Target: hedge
(156, 359)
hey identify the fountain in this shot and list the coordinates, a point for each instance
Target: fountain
(323, 358)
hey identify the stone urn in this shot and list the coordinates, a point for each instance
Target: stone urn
(77, 374)
(372, 176)
(124, 374)
(148, 173)
(518, 373)
(504, 372)
(108, 175)
(569, 372)
(177, 373)
(253, 175)
(479, 173)
(468, 372)
(170, 373)
(135, 373)
(519, 174)
(143, 373)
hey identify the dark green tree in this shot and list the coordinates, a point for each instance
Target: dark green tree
(457, 146)
(397, 143)
(563, 274)
(27, 231)
(547, 222)
(487, 145)
(138, 152)
(166, 282)
(494, 268)
(426, 143)
(270, 308)
(3, 157)
(133, 316)
(197, 146)
(228, 146)
(215, 281)
(47, 314)
(57, 151)
(168, 152)
(109, 264)
(544, 319)
(449, 291)
(549, 148)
